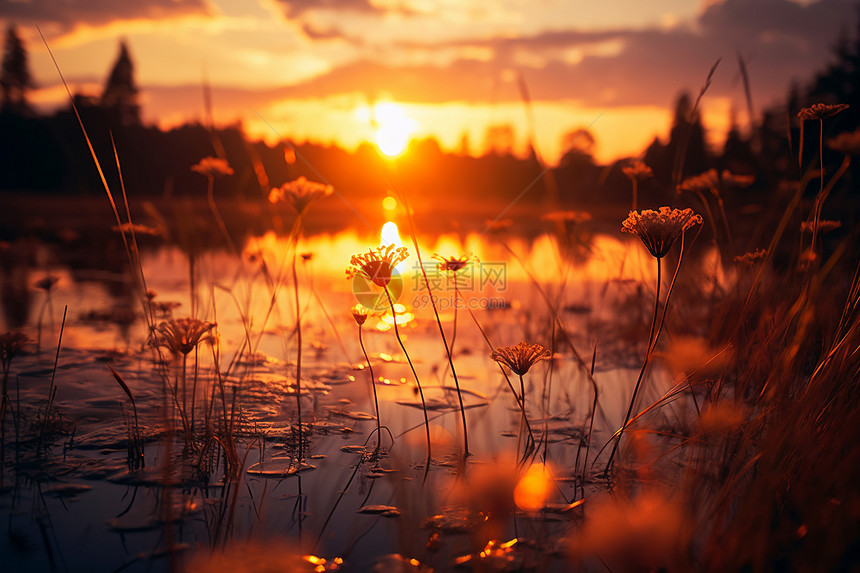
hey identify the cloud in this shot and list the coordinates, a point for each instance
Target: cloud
(67, 15)
(780, 41)
(296, 8)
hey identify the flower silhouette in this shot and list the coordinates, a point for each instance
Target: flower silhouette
(360, 314)
(377, 265)
(11, 343)
(637, 170)
(521, 357)
(299, 194)
(453, 264)
(660, 229)
(213, 167)
(820, 111)
(181, 335)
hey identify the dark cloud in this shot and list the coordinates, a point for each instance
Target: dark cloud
(68, 14)
(780, 40)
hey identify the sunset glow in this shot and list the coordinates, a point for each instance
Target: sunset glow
(393, 128)
(384, 285)
(331, 73)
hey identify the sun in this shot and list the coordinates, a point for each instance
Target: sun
(394, 128)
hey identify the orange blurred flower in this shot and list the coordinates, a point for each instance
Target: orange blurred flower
(637, 170)
(213, 167)
(299, 194)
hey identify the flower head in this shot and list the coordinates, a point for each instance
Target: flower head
(11, 344)
(453, 264)
(707, 181)
(377, 265)
(299, 194)
(752, 257)
(637, 171)
(824, 226)
(181, 335)
(820, 111)
(213, 167)
(521, 357)
(660, 229)
(47, 283)
(360, 314)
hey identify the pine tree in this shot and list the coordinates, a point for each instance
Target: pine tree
(120, 94)
(15, 76)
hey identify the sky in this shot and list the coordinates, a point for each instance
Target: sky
(348, 71)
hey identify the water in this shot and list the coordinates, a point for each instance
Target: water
(74, 502)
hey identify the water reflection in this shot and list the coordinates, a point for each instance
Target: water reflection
(602, 295)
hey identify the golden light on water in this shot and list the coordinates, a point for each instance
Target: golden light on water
(534, 488)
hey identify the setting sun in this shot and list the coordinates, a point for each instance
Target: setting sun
(393, 128)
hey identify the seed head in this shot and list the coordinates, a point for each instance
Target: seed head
(660, 229)
(521, 357)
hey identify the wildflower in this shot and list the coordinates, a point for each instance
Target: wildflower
(181, 335)
(11, 344)
(213, 167)
(637, 171)
(820, 111)
(47, 283)
(453, 264)
(706, 181)
(847, 143)
(299, 194)
(752, 257)
(377, 265)
(660, 229)
(360, 314)
(824, 226)
(521, 357)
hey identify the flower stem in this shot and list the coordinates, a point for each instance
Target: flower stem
(372, 385)
(651, 342)
(298, 340)
(210, 197)
(525, 419)
(415, 374)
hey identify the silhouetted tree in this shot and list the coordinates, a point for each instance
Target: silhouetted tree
(738, 156)
(15, 76)
(120, 94)
(686, 152)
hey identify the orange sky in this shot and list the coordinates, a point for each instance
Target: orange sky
(322, 70)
